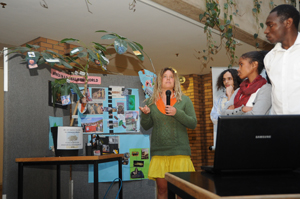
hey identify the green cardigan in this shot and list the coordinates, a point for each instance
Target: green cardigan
(169, 135)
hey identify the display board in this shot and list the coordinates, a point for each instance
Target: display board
(26, 134)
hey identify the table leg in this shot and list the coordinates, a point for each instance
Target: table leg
(171, 194)
(58, 181)
(96, 180)
(20, 180)
(120, 176)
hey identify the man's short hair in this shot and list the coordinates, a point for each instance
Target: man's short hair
(285, 11)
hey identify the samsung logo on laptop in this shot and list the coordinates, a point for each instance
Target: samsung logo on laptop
(263, 137)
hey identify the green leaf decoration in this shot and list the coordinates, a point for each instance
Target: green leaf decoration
(92, 54)
(254, 10)
(261, 25)
(53, 53)
(69, 40)
(120, 46)
(133, 46)
(47, 55)
(37, 54)
(99, 46)
(41, 61)
(139, 45)
(120, 37)
(101, 31)
(67, 65)
(82, 54)
(32, 46)
(76, 50)
(141, 57)
(75, 89)
(54, 92)
(201, 17)
(257, 45)
(109, 36)
(21, 49)
(226, 5)
(102, 60)
(51, 63)
(65, 89)
(255, 35)
(222, 27)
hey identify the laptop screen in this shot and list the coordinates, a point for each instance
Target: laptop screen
(257, 142)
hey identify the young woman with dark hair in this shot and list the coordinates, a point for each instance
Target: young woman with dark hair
(254, 95)
(229, 81)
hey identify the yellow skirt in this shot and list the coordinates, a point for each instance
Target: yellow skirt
(160, 165)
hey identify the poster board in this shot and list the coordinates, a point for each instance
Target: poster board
(26, 123)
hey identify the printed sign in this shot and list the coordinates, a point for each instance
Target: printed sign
(69, 138)
(75, 78)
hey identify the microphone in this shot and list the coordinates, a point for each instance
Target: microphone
(168, 94)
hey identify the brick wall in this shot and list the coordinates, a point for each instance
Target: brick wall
(199, 89)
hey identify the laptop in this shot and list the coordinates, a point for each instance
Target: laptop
(257, 143)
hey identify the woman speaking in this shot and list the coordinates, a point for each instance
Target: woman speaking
(170, 149)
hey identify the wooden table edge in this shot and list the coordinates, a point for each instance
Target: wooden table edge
(277, 196)
(68, 158)
(189, 188)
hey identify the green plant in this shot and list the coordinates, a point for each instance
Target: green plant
(93, 53)
(256, 11)
(226, 28)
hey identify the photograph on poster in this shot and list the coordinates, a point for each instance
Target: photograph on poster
(130, 101)
(98, 94)
(138, 163)
(65, 100)
(109, 144)
(91, 108)
(114, 124)
(145, 154)
(131, 118)
(120, 107)
(116, 91)
(135, 153)
(92, 124)
(110, 109)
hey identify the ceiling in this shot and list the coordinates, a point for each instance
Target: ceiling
(169, 38)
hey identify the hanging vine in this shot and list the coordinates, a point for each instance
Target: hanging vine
(226, 28)
(132, 5)
(256, 11)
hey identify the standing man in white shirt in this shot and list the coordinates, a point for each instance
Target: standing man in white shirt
(282, 63)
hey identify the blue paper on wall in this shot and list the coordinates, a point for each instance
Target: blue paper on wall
(147, 79)
(109, 171)
(53, 121)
